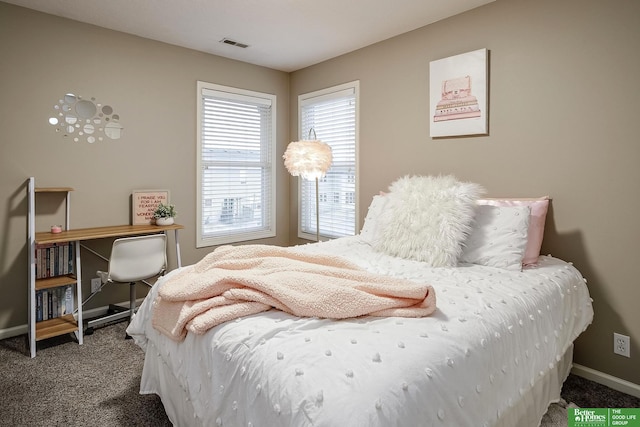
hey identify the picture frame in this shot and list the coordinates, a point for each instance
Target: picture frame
(458, 88)
(144, 202)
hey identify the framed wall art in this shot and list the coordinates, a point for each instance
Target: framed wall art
(458, 87)
(144, 202)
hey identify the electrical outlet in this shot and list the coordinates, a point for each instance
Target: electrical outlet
(621, 345)
(95, 284)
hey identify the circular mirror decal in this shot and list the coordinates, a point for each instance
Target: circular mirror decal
(113, 130)
(85, 109)
(70, 98)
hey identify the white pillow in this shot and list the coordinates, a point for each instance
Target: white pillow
(427, 218)
(539, 207)
(499, 237)
(371, 227)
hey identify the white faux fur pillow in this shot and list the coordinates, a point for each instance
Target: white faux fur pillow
(426, 218)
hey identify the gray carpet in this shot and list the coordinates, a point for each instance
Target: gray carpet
(96, 384)
(66, 384)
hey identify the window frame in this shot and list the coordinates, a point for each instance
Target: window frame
(269, 230)
(319, 95)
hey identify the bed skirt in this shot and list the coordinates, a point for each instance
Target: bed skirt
(527, 410)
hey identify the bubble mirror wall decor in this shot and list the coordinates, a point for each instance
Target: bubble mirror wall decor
(85, 120)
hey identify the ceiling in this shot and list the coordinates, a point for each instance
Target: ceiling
(285, 35)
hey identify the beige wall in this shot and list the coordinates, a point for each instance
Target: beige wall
(563, 122)
(152, 86)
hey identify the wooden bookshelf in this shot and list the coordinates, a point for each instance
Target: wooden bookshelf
(67, 323)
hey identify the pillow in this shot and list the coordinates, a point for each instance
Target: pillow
(539, 207)
(498, 238)
(371, 228)
(426, 218)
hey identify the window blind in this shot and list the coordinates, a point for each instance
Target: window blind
(332, 116)
(236, 167)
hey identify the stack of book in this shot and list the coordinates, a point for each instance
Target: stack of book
(54, 259)
(54, 302)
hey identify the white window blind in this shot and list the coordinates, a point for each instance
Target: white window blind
(332, 114)
(236, 175)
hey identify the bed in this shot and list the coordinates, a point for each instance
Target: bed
(495, 352)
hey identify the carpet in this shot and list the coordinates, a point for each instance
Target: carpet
(556, 415)
(66, 384)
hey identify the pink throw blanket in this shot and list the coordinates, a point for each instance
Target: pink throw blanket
(236, 281)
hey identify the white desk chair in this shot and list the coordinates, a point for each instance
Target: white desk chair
(133, 259)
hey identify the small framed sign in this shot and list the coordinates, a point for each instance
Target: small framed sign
(144, 202)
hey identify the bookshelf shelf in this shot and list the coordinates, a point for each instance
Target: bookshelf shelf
(56, 281)
(57, 326)
(53, 189)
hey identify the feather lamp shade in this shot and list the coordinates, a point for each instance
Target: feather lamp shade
(308, 159)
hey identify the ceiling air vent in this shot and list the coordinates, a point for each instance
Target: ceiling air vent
(234, 43)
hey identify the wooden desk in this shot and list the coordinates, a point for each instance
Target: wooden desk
(79, 234)
(68, 323)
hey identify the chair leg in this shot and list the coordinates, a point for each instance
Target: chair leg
(132, 303)
(132, 300)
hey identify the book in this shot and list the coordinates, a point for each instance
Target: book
(68, 293)
(45, 305)
(71, 261)
(50, 304)
(38, 306)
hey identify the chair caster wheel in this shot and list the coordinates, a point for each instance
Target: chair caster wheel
(88, 331)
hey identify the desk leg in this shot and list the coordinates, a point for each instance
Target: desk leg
(178, 257)
(79, 292)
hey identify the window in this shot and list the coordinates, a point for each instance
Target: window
(236, 182)
(332, 115)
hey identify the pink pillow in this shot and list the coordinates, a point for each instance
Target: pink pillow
(539, 207)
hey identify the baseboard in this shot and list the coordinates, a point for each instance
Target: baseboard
(13, 332)
(86, 314)
(610, 381)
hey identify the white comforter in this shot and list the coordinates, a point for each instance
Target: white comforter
(483, 358)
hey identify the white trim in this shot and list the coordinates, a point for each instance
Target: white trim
(339, 91)
(219, 91)
(608, 380)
